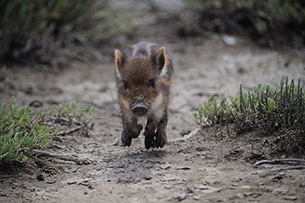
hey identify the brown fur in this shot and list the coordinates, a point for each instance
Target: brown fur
(144, 76)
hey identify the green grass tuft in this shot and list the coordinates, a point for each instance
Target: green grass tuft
(274, 111)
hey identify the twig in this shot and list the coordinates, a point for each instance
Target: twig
(186, 137)
(70, 131)
(115, 143)
(268, 171)
(64, 157)
(281, 161)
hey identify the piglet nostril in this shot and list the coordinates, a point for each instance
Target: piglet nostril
(139, 110)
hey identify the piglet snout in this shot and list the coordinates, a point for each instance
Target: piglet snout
(139, 109)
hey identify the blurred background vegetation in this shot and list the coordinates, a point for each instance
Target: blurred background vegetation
(271, 23)
(34, 30)
(38, 31)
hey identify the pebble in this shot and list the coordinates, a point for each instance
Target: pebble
(147, 177)
(240, 195)
(51, 181)
(291, 198)
(71, 182)
(279, 191)
(195, 197)
(165, 167)
(183, 168)
(229, 40)
(40, 177)
(180, 197)
(245, 187)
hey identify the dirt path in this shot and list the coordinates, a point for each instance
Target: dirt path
(208, 167)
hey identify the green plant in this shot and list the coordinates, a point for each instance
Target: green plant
(215, 110)
(73, 114)
(268, 109)
(20, 132)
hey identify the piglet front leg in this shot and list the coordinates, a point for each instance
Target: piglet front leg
(155, 132)
(161, 138)
(130, 130)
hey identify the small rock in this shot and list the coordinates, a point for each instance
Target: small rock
(40, 177)
(245, 187)
(169, 178)
(229, 40)
(36, 104)
(167, 187)
(147, 177)
(90, 187)
(71, 182)
(180, 197)
(207, 189)
(51, 181)
(260, 183)
(248, 194)
(291, 197)
(189, 190)
(201, 187)
(183, 168)
(279, 191)
(165, 167)
(240, 195)
(195, 197)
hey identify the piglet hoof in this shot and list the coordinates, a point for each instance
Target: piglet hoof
(126, 139)
(149, 143)
(149, 140)
(160, 140)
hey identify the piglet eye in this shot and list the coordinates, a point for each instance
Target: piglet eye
(126, 85)
(151, 83)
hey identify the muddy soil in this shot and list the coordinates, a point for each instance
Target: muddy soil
(196, 165)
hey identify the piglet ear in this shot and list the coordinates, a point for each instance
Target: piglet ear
(119, 59)
(158, 58)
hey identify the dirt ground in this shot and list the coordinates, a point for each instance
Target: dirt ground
(196, 165)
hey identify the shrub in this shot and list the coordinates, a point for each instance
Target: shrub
(21, 132)
(273, 110)
(34, 30)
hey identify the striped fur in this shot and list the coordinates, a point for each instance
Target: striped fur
(144, 76)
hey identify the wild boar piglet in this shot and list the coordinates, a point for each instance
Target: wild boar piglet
(143, 74)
